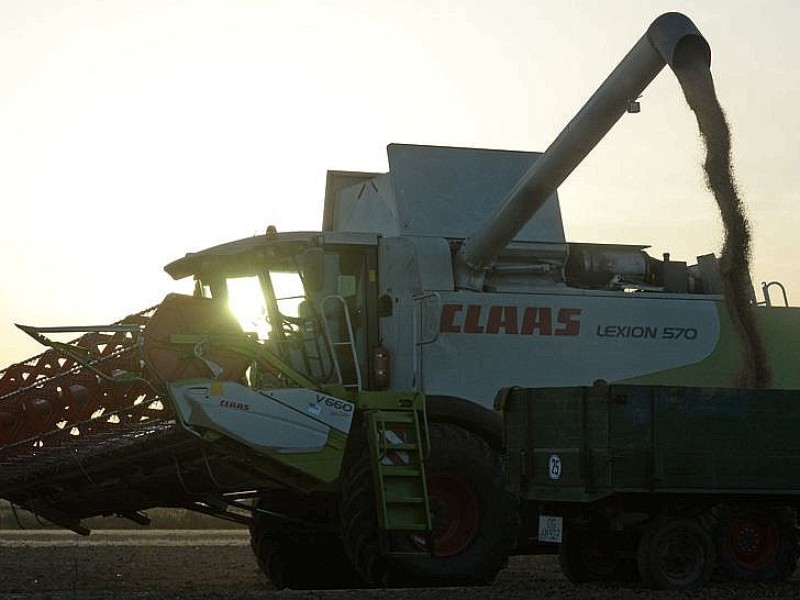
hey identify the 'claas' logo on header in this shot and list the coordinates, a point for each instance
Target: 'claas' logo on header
(531, 320)
(232, 404)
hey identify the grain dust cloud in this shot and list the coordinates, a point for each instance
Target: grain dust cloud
(698, 88)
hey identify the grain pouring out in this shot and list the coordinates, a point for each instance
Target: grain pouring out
(698, 87)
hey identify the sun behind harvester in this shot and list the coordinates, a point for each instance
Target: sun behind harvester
(339, 390)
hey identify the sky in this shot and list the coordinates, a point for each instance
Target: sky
(133, 132)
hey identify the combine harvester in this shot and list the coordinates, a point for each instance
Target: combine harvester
(351, 421)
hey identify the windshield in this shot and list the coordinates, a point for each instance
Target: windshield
(289, 293)
(246, 301)
(268, 305)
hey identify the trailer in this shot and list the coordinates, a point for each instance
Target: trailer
(674, 485)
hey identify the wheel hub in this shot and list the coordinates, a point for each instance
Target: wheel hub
(681, 557)
(754, 540)
(455, 514)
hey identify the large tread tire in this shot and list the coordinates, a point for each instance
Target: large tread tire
(676, 553)
(757, 543)
(475, 520)
(317, 563)
(592, 554)
(294, 553)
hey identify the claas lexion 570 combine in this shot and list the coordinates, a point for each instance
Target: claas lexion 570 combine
(351, 420)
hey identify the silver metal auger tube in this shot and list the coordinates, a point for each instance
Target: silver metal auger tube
(671, 39)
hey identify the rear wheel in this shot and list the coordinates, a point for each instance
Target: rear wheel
(757, 544)
(474, 519)
(676, 554)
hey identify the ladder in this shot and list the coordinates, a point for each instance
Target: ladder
(398, 443)
(341, 340)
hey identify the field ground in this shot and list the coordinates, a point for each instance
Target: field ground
(199, 565)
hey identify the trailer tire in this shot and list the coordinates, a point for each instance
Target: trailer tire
(588, 554)
(475, 521)
(676, 553)
(757, 544)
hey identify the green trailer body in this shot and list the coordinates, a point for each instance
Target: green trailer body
(584, 444)
(668, 485)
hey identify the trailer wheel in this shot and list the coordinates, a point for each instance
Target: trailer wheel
(758, 544)
(675, 554)
(587, 555)
(474, 520)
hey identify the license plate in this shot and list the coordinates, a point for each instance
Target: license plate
(551, 529)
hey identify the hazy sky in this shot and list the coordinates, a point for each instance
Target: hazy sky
(132, 132)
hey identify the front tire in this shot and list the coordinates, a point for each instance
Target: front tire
(474, 518)
(296, 552)
(313, 562)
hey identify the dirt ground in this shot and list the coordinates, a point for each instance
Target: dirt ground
(128, 565)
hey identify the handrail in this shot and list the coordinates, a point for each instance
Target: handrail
(765, 290)
(349, 342)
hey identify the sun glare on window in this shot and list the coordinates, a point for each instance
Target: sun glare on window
(288, 292)
(246, 301)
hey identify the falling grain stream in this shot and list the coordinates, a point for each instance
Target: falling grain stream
(698, 88)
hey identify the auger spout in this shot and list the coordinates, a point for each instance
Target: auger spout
(671, 39)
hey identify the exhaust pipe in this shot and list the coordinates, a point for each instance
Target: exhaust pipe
(671, 39)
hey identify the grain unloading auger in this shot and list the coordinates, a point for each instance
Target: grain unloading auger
(671, 39)
(353, 413)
